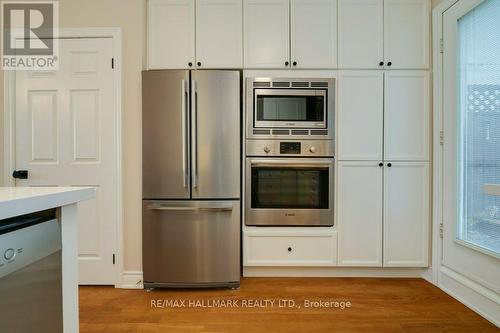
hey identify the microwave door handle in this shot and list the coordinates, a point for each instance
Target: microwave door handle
(194, 119)
(184, 137)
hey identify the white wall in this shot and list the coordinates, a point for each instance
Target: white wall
(130, 16)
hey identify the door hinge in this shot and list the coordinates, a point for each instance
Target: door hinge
(441, 230)
(441, 46)
(441, 138)
(113, 63)
(114, 257)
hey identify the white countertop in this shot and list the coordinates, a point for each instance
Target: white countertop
(16, 201)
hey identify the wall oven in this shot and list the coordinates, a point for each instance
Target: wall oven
(281, 108)
(289, 186)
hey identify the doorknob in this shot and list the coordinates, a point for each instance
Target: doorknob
(20, 174)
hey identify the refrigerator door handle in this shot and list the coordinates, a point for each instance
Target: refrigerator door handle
(185, 99)
(225, 208)
(194, 119)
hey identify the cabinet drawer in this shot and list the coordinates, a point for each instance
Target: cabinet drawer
(289, 249)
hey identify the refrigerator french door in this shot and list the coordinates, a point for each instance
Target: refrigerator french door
(191, 178)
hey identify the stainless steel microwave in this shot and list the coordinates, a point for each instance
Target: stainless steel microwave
(284, 108)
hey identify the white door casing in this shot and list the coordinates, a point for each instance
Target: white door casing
(66, 135)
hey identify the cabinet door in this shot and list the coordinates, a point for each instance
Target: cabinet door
(359, 208)
(406, 214)
(360, 115)
(406, 116)
(314, 33)
(266, 34)
(406, 33)
(219, 34)
(170, 34)
(361, 33)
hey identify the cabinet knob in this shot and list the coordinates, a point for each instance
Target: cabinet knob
(286, 63)
(190, 64)
(381, 63)
(381, 164)
(294, 63)
(389, 63)
(389, 164)
(198, 63)
(289, 249)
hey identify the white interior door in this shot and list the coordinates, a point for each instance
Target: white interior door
(66, 136)
(471, 150)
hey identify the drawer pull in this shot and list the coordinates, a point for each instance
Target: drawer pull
(289, 249)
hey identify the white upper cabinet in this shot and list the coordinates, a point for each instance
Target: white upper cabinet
(313, 33)
(219, 34)
(406, 214)
(359, 213)
(406, 34)
(266, 34)
(406, 116)
(361, 34)
(171, 27)
(360, 115)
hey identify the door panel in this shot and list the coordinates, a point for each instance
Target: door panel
(171, 34)
(360, 213)
(406, 33)
(406, 214)
(266, 33)
(66, 136)
(406, 116)
(314, 33)
(219, 33)
(191, 241)
(361, 33)
(360, 115)
(216, 134)
(165, 119)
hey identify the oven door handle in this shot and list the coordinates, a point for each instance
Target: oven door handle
(294, 164)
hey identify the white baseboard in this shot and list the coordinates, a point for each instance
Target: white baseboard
(333, 272)
(478, 298)
(131, 280)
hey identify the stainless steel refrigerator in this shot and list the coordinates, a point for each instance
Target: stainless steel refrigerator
(191, 178)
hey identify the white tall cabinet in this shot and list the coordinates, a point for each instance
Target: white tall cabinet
(383, 152)
(391, 34)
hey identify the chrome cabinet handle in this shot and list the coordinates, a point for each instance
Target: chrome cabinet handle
(203, 209)
(184, 138)
(194, 119)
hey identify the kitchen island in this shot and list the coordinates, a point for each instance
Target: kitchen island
(19, 201)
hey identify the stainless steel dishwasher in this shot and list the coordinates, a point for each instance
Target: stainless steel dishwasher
(30, 275)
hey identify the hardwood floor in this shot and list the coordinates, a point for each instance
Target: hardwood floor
(377, 305)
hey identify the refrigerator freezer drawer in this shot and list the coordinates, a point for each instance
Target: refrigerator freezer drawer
(191, 243)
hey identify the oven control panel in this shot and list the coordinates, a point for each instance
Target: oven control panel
(310, 148)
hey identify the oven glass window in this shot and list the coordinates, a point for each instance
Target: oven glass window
(290, 188)
(290, 108)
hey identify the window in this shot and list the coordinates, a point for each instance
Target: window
(479, 125)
